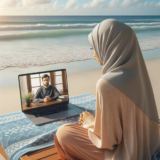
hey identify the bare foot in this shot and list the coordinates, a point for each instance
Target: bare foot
(83, 116)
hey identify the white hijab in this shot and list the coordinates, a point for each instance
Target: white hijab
(123, 65)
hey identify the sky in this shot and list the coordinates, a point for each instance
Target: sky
(79, 7)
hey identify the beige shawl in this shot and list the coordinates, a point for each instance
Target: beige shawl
(123, 65)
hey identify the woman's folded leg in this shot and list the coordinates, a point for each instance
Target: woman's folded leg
(73, 143)
(59, 149)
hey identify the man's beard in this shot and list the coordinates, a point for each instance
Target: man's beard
(47, 85)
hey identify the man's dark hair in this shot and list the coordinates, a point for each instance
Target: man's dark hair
(44, 76)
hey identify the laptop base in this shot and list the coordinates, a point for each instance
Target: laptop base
(41, 120)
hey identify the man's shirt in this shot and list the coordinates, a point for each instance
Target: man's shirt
(42, 92)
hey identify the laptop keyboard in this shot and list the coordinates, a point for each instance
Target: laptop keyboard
(52, 110)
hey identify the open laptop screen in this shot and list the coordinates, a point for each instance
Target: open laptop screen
(43, 89)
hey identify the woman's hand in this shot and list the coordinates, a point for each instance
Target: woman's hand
(83, 116)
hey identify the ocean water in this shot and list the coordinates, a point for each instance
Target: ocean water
(42, 40)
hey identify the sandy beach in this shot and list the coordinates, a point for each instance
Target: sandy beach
(86, 80)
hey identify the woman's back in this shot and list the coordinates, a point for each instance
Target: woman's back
(121, 125)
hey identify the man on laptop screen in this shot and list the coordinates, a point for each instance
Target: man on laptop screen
(49, 88)
(46, 92)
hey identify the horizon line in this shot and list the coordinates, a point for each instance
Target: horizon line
(79, 15)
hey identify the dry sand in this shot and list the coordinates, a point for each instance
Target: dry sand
(80, 83)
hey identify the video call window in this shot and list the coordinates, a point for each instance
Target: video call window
(33, 82)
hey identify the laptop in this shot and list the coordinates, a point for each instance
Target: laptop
(45, 97)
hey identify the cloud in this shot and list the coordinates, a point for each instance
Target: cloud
(145, 4)
(158, 4)
(119, 4)
(45, 7)
(70, 4)
(114, 4)
(55, 4)
(34, 2)
(127, 3)
(9, 3)
(95, 4)
(124, 3)
(110, 7)
(76, 8)
(151, 4)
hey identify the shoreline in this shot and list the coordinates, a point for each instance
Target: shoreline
(72, 67)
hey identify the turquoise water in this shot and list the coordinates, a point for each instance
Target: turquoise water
(42, 40)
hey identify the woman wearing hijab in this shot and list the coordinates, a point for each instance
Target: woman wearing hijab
(126, 122)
